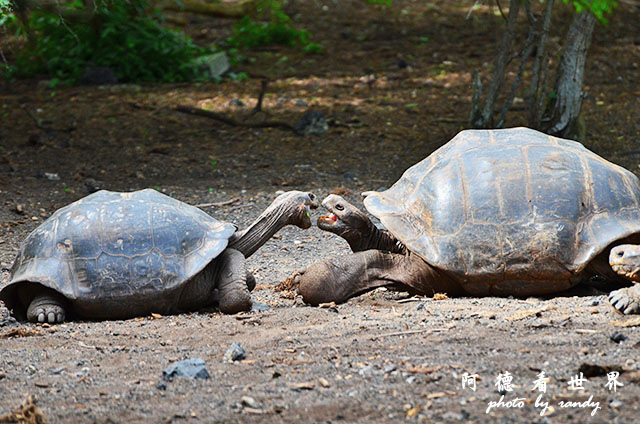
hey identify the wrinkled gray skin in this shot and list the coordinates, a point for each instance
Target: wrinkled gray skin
(625, 260)
(227, 273)
(380, 260)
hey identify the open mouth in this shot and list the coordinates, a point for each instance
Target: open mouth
(628, 271)
(329, 219)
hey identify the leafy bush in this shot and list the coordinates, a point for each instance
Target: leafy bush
(134, 46)
(274, 28)
(599, 8)
(5, 7)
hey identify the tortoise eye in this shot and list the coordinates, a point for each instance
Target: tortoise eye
(339, 207)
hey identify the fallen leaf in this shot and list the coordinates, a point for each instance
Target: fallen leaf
(422, 370)
(585, 331)
(260, 287)
(20, 332)
(341, 191)
(436, 395)
(529, 313)
(632, 322)
(324, 382)
(414, 411)
(302, 386)
(27, 413)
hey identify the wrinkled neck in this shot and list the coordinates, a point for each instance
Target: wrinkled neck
(263, 228)
(373, 238)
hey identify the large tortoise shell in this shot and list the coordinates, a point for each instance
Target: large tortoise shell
(109, 246)
(511, 204)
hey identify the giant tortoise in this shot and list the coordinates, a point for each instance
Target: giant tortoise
(492, 212)
(118, 255)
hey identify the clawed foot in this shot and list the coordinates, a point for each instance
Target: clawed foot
(46, 308)
(234, 301)
(626, 300)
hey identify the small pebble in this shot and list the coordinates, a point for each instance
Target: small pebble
(250, 402)
(390, 368)
(51, 176)
(452, 417)
(234, 353)
(191, 368)
(259, 307)
(615, 403)
(366, 371)
(617, 337)
(350, 176)
(57, 370)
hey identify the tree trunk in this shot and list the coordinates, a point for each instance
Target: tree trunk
(484, 119)
(538, 90)
(564, 111)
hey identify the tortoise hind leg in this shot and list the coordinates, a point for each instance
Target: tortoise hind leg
(47, 306)
(233, 291)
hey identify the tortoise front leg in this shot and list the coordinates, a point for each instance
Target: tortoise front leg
(625, 260)
(233, 291)
(344, 277)
(47, 306)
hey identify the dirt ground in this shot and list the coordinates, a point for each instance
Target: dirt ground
(394, 85)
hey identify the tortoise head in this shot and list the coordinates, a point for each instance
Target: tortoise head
(343, 219)
(296, 206)
(625, 260)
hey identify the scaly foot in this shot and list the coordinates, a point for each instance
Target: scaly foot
(46, 308)
(626, 300)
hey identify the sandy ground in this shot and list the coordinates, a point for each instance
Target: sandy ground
(382, 357)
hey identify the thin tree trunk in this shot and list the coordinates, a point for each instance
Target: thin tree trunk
(524, 55)
(485, 119)
(540, 68)
(565, 110)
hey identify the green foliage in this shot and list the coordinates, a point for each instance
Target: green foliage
(274, 28)
(599, 8)
(5, 7)
(119, 36)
